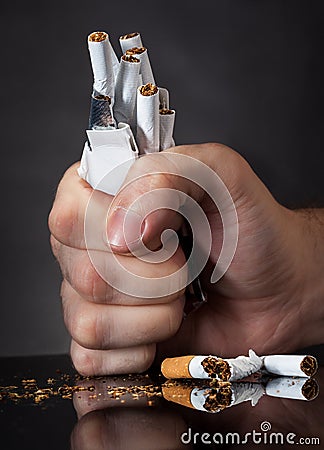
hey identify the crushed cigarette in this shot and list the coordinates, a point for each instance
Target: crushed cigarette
(292, 388)
(211, 367)
(291, 365)
(131, 59)
(217, 368)
(214, 397)
(148, 89)
(166, 112)
(98, 36)
(233, 369)
(129, 35)
(135, 51)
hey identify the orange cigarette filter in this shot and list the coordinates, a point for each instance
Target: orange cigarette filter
(177, 393)
(177, 367)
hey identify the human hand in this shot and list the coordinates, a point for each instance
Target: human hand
(263, 300)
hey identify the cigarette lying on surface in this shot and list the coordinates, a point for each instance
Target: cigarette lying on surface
(211, 367)
(290, 365)
(213, 398)
(148, 127)
(292, 388)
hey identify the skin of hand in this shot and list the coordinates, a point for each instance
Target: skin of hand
(270, 298)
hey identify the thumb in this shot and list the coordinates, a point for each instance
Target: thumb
(158, 185)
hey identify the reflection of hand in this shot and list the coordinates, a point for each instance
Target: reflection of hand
(106, 423)
(271, 291)
(128, 428)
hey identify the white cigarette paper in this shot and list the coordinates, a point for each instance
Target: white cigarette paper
(213, 399)
(292, 388)
(290, 365)
(241, 392)
(148, 127)
(126, 91)
(167, 118)
(102, 55)
(146, 70)
(129, 41)
(239, 367)
(105, 163)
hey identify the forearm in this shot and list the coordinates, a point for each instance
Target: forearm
(310, 251)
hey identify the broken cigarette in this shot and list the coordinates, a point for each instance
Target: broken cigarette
(146, 70)
(148, 127)
(102, 57)
(126, 89)
(167, 118)
(292, 388)
(213, 398)
(211, 367)
(101, 117)
(130, 40)
(290, 365)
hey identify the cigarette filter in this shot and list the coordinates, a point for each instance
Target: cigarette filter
(108, 152)
(290, 365)
(148, 127)
(102, 56)
(212, 398)
(167, 118)
(146, 70)
(129, 41)
(126, 90)
(212, 367)
(292, 388)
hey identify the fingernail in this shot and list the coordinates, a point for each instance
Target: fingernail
(124, 229)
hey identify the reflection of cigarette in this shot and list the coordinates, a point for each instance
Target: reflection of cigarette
(167, 118)
(126, 88)
(290, 365)
(100, 113)
(129, 41)
(148, 127)
(211, 367)
(102, 55)
(146, 70)
(293, 388)
(212, 398)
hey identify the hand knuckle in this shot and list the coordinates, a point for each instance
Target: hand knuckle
(82, 360)
(87, 281)
(60, 221)
(83, 328)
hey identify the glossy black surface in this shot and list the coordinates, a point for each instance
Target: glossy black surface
(95, 419)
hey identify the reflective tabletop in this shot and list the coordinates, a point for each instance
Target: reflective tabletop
(45, 404)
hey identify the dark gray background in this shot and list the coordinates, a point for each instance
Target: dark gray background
(247, 73)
